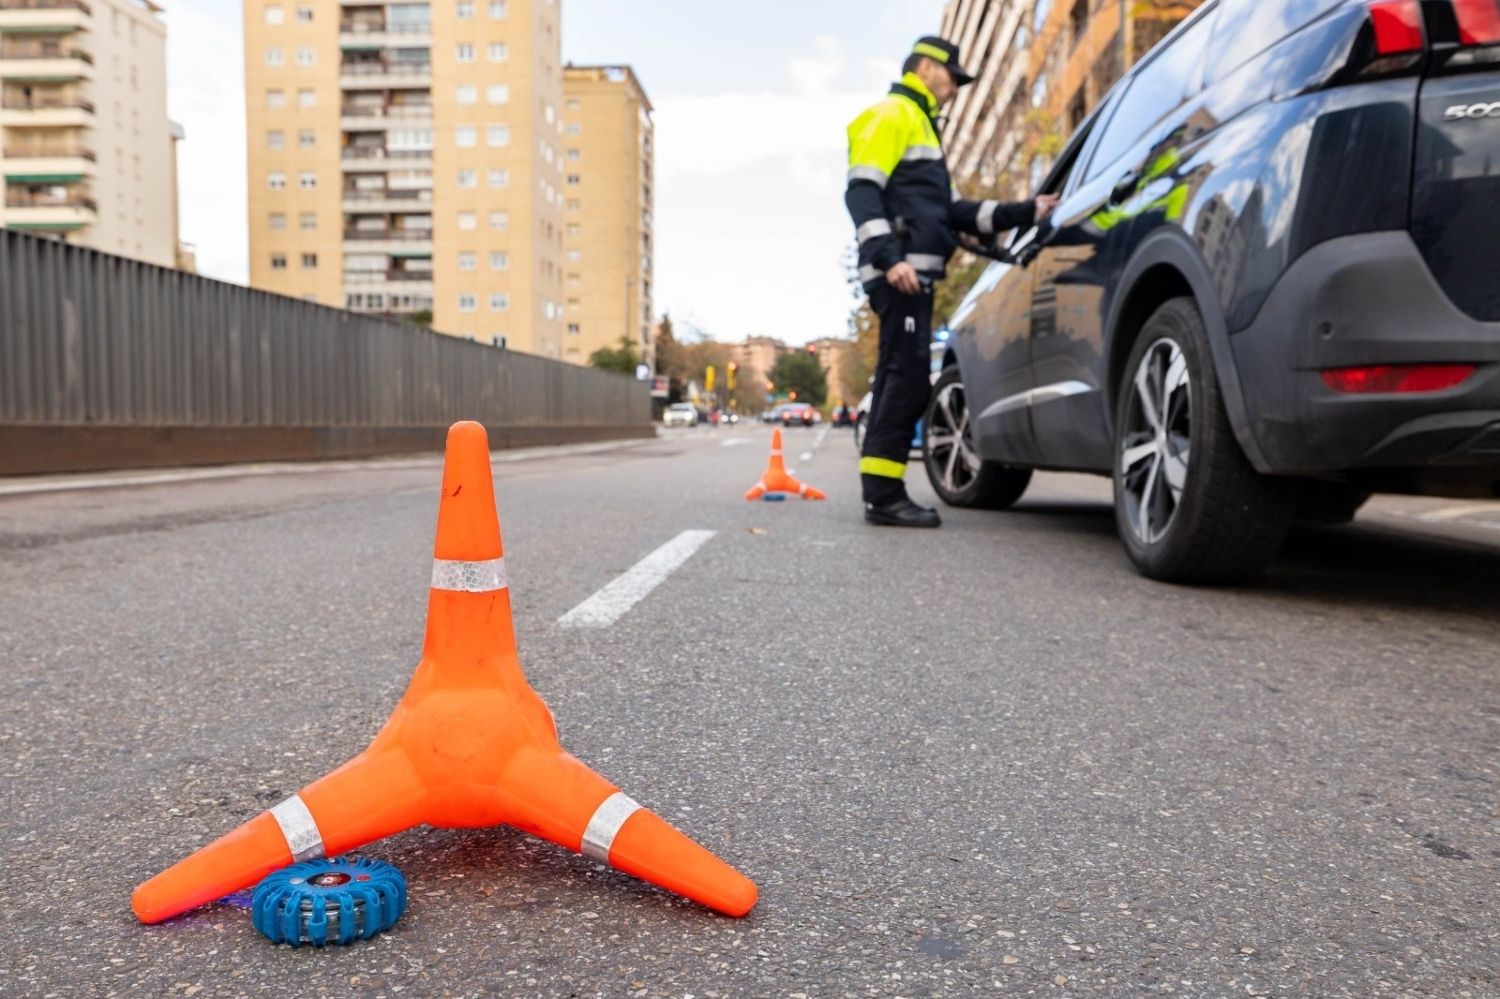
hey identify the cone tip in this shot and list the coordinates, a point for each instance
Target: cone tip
(739, 900)
(468, 527)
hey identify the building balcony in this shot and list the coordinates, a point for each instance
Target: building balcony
(34, 61)
(49, 212)
(47, 164)
(411, 282)
(21, 16)
(44, 112)
(355, 158)
(388, 201)
(391, 241)
(382, 76)
(380, 119)
(359, 36)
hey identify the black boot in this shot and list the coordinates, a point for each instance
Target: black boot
(902, 513)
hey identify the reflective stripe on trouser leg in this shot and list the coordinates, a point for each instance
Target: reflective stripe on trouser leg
(300, 829)
(903, 391)
(602, 829)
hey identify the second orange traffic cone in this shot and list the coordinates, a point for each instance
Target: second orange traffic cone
(776, 480)
(470, 744)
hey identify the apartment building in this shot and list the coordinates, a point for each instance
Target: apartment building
(1041, 66)
(607, 237)
(405, 159)
(87, 151)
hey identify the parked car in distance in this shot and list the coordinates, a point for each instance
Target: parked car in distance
(789, 413)
(1224, 319)
(679, 414)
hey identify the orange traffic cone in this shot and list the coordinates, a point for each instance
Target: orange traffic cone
(469, 744)
(776, 480)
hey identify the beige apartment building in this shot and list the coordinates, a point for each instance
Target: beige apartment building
(607, 239)
(405, 158)
(87, 152)
(1040, 66)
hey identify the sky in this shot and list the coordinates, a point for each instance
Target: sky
(751, 102)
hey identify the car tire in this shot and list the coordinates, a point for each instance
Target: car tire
(957, 473)
(1330, 503)
(1214, 519)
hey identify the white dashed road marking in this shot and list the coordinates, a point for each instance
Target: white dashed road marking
(606, 606)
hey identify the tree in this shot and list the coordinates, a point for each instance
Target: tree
(422, 317)
(861, 363)
(799, 371)
(623, 358)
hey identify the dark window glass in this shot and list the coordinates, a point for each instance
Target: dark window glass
(1249, 27)
(1156, 91)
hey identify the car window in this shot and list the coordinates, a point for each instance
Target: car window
(1157, 89)
(1248, 27)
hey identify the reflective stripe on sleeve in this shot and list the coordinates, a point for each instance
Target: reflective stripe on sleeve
(300, 829)
(468, 577)
(868, 273)
(921, 153)
(985, 221)
(926, 261)
(883, 467)
(871, 229)
(602, 829)
(875, 175)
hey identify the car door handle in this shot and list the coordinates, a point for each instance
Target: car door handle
(1124, 187)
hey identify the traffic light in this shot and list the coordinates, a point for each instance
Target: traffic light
(708, 380)
(729, 379)
(812, 348)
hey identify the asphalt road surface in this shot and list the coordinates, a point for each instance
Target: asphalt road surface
(987, 760)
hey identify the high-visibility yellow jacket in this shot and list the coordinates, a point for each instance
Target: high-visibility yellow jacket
(900, 196)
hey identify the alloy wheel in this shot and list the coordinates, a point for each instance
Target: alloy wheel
(1155, 447)
(950, 445)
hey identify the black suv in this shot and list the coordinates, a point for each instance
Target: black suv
(1271, 288)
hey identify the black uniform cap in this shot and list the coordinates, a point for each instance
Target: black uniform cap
(943, 51)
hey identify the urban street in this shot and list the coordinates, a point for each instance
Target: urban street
(986, 759)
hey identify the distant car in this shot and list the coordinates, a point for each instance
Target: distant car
(729, 418)
(679, 414)
(795, 412)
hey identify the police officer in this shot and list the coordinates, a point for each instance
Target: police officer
(906, 214)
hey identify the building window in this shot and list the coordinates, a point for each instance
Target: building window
(499, 221)
(467, 303)
(274, 56)
(499, 261)
(572, 180)
(573, 104)
(276, 139)
(467, 261)
(307, 98)
(275, 99)
(307, 180)
(276, 180)
(278, 220)
(574, 128)
(465, 52)
(575, 155)
(274, 15)
(309, 261)
(305, 14)
(465, 136)
(574, 230)
(307, 138)
(497, 93)
(573, 329)
(467, 95)
(306, 57)
(497, 10)
(278, 261)
(308, 220)
(468, 179)
(499, 301)
(575, 204)
(574, 256)
(499, 52)
(465, 10)
(498, 136)
(468, 221)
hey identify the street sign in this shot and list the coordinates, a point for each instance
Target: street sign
(659, 387)
(642, 372)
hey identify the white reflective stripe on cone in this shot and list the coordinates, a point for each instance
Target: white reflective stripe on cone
(299, 828)
(602, 829)
(468, 577)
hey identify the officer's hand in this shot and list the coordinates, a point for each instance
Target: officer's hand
(903, 277)
(1045, 203)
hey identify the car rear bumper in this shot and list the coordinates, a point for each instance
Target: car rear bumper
(1365, 300)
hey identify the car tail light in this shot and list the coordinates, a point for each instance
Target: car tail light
(1398, 26)
(1397, 377)
(1478, 21)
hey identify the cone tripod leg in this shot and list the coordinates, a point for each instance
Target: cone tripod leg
(559, 798)
(368, 798)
